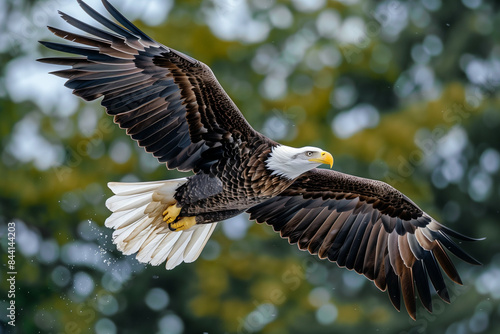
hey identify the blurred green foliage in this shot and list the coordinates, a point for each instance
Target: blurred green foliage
(406, 92)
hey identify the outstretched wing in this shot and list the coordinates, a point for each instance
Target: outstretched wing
(170, 103)
(368, 226)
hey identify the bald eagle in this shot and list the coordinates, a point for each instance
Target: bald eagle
(173, 106)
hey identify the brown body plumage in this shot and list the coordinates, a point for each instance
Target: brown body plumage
(173, 106)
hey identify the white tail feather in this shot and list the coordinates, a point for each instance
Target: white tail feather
(139, 228)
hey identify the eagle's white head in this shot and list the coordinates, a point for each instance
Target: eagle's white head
(290, 162)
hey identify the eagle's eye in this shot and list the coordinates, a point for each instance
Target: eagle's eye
(309, 153)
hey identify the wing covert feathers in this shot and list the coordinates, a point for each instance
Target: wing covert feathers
(370, 227)
(137, 219)
(168, 102)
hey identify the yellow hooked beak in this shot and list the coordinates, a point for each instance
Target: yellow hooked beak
(326, 158)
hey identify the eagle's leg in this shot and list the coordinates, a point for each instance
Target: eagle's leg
(183, 224)
(171, 213)
(171, 217)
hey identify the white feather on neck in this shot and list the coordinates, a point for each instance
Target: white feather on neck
(283, 162)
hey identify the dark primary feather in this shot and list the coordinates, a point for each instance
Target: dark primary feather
(370, 227)
(170, 103)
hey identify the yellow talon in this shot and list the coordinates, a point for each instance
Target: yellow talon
(183, 224)
(171, 213)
